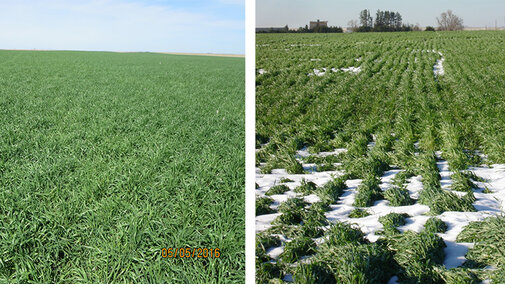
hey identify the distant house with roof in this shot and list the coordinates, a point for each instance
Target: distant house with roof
(316, 24)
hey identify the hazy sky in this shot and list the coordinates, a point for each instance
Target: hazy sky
(297, 13)
(215, 26)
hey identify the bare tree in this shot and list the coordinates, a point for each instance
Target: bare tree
(353, 24)
(449, 22)
(416, 28)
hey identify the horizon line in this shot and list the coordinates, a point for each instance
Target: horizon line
(237, 55)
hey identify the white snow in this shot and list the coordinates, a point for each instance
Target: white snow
(305, 153)
(438, 68)
(275, 252)
(318, 72)
(490, 204)
(352, 69)
(263, 222)
(335, 152)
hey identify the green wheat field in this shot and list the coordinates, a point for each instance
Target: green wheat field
(380, 157)
(106, 158)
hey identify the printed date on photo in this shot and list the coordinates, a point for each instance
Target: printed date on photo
(190, 253)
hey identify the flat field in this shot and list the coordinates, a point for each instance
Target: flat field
(380, 157)
(106, 158)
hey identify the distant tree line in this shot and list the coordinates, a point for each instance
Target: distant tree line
(385, 21)
(389, 21)
(285, 29)
(319, 29)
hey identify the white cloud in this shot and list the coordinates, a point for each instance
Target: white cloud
(114, 25)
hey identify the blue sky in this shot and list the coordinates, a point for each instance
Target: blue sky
(201, 26)
(296, 13)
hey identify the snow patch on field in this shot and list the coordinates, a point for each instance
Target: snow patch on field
(317, 72)
(303, 153)
(320, 73)
(352, 69)
(266, 181)
(486, 204)
(438, 68)
(370, 225)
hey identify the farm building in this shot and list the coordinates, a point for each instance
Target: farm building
(315, 24)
